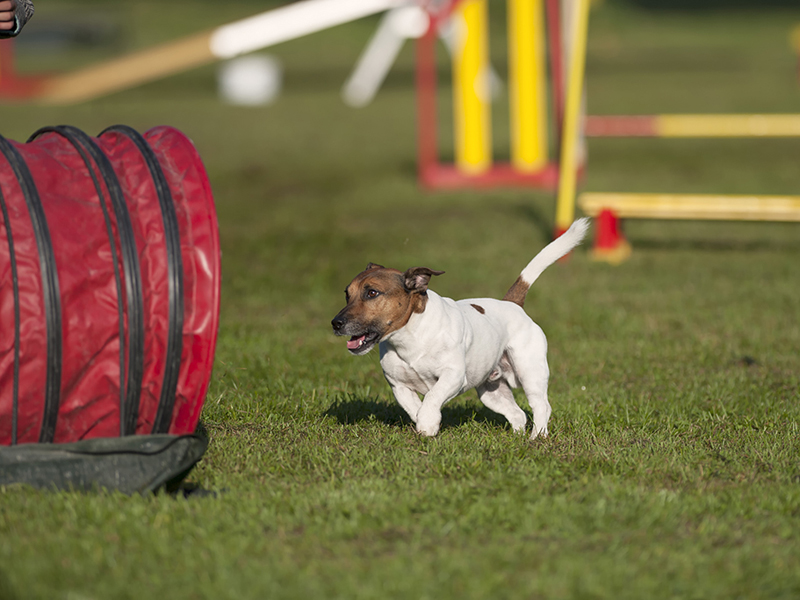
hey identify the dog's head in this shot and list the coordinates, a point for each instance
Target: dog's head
(380, 301)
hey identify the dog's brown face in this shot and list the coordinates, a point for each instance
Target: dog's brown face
(380, 301)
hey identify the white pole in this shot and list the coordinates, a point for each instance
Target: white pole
(289, 22)
(373, 65)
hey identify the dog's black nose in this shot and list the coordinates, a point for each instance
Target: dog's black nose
(337, 323)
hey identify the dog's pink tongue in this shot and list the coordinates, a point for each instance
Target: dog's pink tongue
(354, 342)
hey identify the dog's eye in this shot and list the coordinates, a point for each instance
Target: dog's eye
(372, 293)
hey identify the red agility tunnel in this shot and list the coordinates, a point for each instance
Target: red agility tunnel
(109, 285)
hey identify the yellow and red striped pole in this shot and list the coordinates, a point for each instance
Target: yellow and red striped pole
(695, 126)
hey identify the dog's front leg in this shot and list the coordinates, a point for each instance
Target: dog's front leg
(429, 417)
(407, 398)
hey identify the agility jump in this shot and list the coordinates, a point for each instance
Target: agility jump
(474, 164)
(225, 42)
(694, 126)
(608, 208)
(610, 244)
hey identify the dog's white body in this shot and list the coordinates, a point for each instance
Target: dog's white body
(452, 346)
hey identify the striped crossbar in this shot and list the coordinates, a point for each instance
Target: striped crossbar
(694, 126)
(692, 206)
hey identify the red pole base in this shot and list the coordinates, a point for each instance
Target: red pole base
(610, 244)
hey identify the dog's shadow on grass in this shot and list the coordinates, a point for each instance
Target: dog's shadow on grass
(356, 409)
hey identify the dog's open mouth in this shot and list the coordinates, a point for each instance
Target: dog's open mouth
(359, 344)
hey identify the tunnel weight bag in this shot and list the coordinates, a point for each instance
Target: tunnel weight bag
(109, 285)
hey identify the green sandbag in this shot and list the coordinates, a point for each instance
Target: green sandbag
(131, 464)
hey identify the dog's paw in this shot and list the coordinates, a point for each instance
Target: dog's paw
(536, 433)
(518, 422)
(427, 430)
(429, 420)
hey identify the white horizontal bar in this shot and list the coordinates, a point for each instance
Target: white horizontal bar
(290, 22)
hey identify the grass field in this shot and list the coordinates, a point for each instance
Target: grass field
(673, 465)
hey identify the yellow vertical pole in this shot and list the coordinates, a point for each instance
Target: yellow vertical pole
(565, 204)
(527, 84)
(471, 92)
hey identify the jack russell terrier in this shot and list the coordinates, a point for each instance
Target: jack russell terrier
(440, 347)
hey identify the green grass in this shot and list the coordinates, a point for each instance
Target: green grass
(673, 465)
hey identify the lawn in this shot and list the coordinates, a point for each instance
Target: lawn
(672, 469)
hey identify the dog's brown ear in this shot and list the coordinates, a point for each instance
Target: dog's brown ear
(416, 279)
(371, 266)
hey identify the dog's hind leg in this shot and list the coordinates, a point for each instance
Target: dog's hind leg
(530, 367)
(497, 396)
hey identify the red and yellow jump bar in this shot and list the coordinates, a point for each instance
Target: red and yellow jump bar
(694, 126)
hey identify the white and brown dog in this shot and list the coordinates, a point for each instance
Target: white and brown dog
(440, 347)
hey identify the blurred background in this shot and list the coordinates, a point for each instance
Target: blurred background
(674, 376)
(308, 189)
(305, 185)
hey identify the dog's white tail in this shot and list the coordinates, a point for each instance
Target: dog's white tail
(546, 257)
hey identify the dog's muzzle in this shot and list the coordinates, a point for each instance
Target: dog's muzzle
(338, 323)
(360, 342)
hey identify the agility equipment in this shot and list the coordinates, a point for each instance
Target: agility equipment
(252, 80)
(471, 93)
(609, 208)
(555, 47)
(527, 83)
(694, 206)
(135, 464)
(227, 41)
(110, 270)
(568, 172)
(473, 163)
(463, 27)
(695, 126)
(396, 26)
(610, 244)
